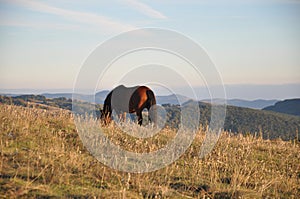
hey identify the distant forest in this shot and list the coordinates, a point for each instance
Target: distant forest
(289, 106)
(269, 124)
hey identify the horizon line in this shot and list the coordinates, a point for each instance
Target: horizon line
(199, 86)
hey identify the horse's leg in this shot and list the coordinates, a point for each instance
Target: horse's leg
(132, 117)
(140, 117)
(152, 115)
(123, 117)
(120, 117)
(107, 118)
(149, 115)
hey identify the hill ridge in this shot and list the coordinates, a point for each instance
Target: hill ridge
(288, 106)
(238, 119)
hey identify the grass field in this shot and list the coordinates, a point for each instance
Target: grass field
(42, 156)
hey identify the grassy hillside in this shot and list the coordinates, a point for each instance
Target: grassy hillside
(42, 155)
(238, 120)
(246, 121)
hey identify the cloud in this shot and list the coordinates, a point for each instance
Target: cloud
(82, 17)
(145, 9)
(30, 24)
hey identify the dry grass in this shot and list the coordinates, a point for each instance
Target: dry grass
(42, 155)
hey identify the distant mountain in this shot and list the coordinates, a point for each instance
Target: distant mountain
(254, 104)
(57, 95)
(100, 97)
(289, 106)
(171, 99)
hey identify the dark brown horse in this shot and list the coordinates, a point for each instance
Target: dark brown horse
(129, 100)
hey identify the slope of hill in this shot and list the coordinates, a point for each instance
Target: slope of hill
(42, 102)
(270, 125)
(289, 106)
(42, 156)
(243, 120)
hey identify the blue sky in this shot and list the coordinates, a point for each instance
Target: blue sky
(44, 43)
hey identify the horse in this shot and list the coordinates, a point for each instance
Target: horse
(128, 100)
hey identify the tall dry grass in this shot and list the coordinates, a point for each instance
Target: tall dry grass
(42, 155)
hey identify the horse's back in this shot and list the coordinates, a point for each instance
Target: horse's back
(130, 99)
(121, 97)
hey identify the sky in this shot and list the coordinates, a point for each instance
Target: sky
(43, 44)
